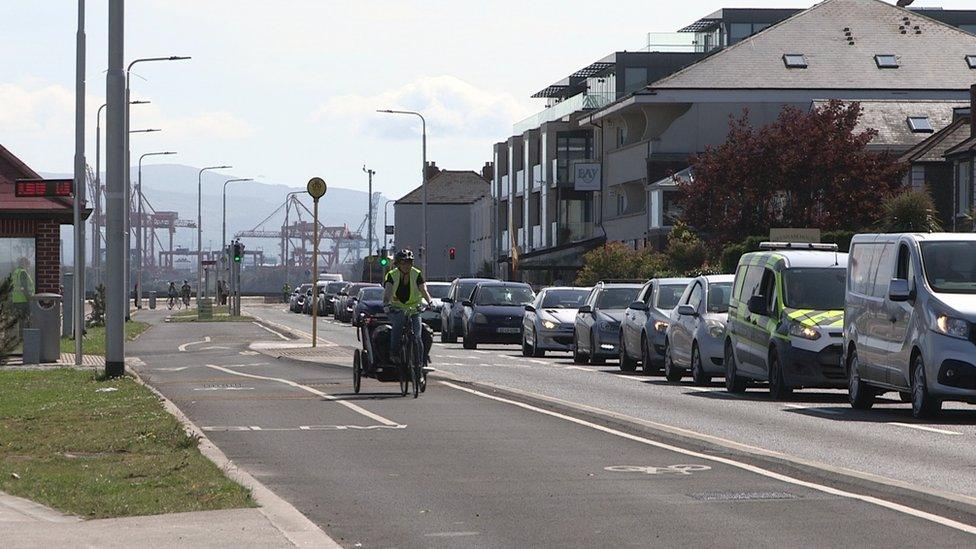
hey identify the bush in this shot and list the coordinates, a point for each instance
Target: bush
(616, 261)
(910, 212)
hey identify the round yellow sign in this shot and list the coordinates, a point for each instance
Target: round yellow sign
(316, 187)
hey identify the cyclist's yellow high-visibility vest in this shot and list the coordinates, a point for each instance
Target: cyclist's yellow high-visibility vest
(18, 295)
(414, 301)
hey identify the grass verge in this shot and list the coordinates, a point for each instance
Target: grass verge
(94, 341)
(190, 315)
(100, 454)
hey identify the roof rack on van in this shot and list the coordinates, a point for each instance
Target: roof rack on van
(798, 246)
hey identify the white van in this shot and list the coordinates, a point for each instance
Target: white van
(910, 319)
(330, 277)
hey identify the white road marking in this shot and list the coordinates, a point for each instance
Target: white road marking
(925, 428)
(358, 409)
(699, 389)
(306, 335)
(178, 369)
(944, 521)
(214, 348)
(244, 428)
(813, 409)
(451, 534)
(248, 353)
(182, 348)
(275, 332)
(542, 362)
(580, 368)
(223, 389)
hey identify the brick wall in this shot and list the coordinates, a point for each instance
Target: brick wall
(47, 246)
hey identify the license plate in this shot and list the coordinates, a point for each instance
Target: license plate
(509, 330)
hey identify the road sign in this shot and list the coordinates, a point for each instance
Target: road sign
(316, 187)
(26, 188)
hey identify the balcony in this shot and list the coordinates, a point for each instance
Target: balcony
(536, 182)
(506, 244)
(520, 238)
(567, 107)
(536, 237)
(520, 182)
(505, 186)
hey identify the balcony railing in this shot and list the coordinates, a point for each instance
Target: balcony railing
(583, 101)
(536, 236)
(520, 181)
(536, 182)
(506, 244)
(520, 237)
(505, 186)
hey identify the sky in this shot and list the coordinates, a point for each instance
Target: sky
(287, 90)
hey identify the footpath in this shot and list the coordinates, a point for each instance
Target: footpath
(274, 523)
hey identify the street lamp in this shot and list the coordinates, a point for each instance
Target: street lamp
(127, 225)
(423, 122)
(223, 232)
(139, 227)
(200, 226)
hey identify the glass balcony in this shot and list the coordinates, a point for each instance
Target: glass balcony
(536, 236)
(536, 182)
(506, 244)
(520, 181)
(583, 101)
(505, 186)
(520, 237)
(678, 42)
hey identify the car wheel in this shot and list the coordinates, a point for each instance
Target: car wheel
(468, 342)
(578, 357)
(357, 370)
(444, 333)
(526, 349)
(671, 373)
(924, 405)
(648, 363)
(778, 389)
(627, 364)
(905, 396)
(536, 351)
(858, 393)
(734, 383)
(595, 360)
(451, 334)
(698, 374)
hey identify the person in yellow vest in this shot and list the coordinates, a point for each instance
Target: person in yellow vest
(23, 286)
(404, 290)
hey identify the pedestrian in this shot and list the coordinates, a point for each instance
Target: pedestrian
(286, 291)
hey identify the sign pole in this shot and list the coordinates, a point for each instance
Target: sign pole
(316, 189)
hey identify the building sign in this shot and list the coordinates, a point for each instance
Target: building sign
(795, 235)
(587, 176)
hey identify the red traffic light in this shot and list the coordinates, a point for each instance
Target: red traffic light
(452, 252)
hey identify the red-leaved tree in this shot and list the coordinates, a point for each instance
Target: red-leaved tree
(806, 170)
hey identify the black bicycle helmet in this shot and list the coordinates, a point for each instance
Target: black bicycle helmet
(403, 255)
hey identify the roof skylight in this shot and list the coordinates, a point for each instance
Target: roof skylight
(920, 124)
(886, 61)
(795, 60)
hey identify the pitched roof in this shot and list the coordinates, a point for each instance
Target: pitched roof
(12, 169)
(449, 187)
(935, 147)
(931, 57)
(890, 118)
(967, 146)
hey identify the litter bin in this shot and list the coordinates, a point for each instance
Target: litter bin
(45, 316)
(152, 300)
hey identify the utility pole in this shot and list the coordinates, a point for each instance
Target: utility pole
(115, 193)
(78, 307)
(369, 224)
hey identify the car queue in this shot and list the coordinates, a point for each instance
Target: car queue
(896, 314)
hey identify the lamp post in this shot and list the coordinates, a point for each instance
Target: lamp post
(79, 190)
(423, 126)
(369, 211)
(114, 190)
(200, 226)
(223, 230)
(139, 227)
(386, 224)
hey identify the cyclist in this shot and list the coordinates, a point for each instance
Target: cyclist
(185, 290)
(172, 293)
(404, 289)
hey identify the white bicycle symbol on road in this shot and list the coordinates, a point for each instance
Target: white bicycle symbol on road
(650, 470)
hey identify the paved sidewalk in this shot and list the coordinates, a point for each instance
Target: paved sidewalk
(27, 524)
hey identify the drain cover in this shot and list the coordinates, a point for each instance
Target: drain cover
(742, 496)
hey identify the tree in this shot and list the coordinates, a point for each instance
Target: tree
(807, 169)
(10, 319)
(616, 261)
(685, 251)
(97, 315)
(910, 212)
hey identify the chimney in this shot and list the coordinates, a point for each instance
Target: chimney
(432, 170)
(972, 111)
(488, 172)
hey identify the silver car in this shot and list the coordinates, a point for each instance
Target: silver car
(696, 334)
(432, 316)
(548, 321)
(645, 323)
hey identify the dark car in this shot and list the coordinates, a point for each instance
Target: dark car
(368, 302)
(494, 313)
(345, 307)
(326, 303)
(451, 309)
(297, 299)
(597, 328)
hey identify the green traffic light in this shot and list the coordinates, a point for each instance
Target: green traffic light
(384, 261)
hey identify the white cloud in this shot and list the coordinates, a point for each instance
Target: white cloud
(220, 124)
(36, 109)
(452, 107)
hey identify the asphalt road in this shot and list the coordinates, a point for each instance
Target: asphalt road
(468, 466)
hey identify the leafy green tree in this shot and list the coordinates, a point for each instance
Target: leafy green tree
(685, 251)
(97, 315)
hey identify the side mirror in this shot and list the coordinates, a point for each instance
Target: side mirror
(638, 306)
(687, 310)
(757, 305)
(530, 308)
(899, 291)
(467, 303)
(586, 310)
(446, 300)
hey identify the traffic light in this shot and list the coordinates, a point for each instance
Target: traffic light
(238, 252)
(384, 261)
(452, 252)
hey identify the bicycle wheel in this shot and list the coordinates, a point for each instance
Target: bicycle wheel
(357, 370)
(402, 373)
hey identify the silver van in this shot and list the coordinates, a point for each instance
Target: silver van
(909, 319)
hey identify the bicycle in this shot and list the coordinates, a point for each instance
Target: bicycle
(171, 302)
(413, 358)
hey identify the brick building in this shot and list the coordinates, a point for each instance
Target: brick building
(30, 227)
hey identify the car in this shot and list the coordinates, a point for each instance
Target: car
(326, 303)
(910, 319)
(297, 298)
(786, 319)
(345, 306)
(338, 299)
(369, 301)
(596, 328)
(307, 304)
(696, 333)
(451, 308)
(548, 321)
(493, 313)
(645, 321)
(432, 316)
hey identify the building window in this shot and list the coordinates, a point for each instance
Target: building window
(920, 124)
(672, 208)
(570, 149)
(886, 61)
(963, 188)
(741, 31)
(971, 61)
(17, 259)
(795, 61)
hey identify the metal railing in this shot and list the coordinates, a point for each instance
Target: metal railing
(579, 102)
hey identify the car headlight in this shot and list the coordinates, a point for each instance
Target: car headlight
(549, 325)
(480, 318)
(952, 327)
(716, 329)
(660, 326)
(805, 332)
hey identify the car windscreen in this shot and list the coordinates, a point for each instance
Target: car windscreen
(564, 299)
(304, 288)
(333, 287)
(668, 296)
(438, 291)
(616, 298)
(719, 295)
(371, 294)
(817, 288)
(950, 267)
(504, 295)
(465, 289)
